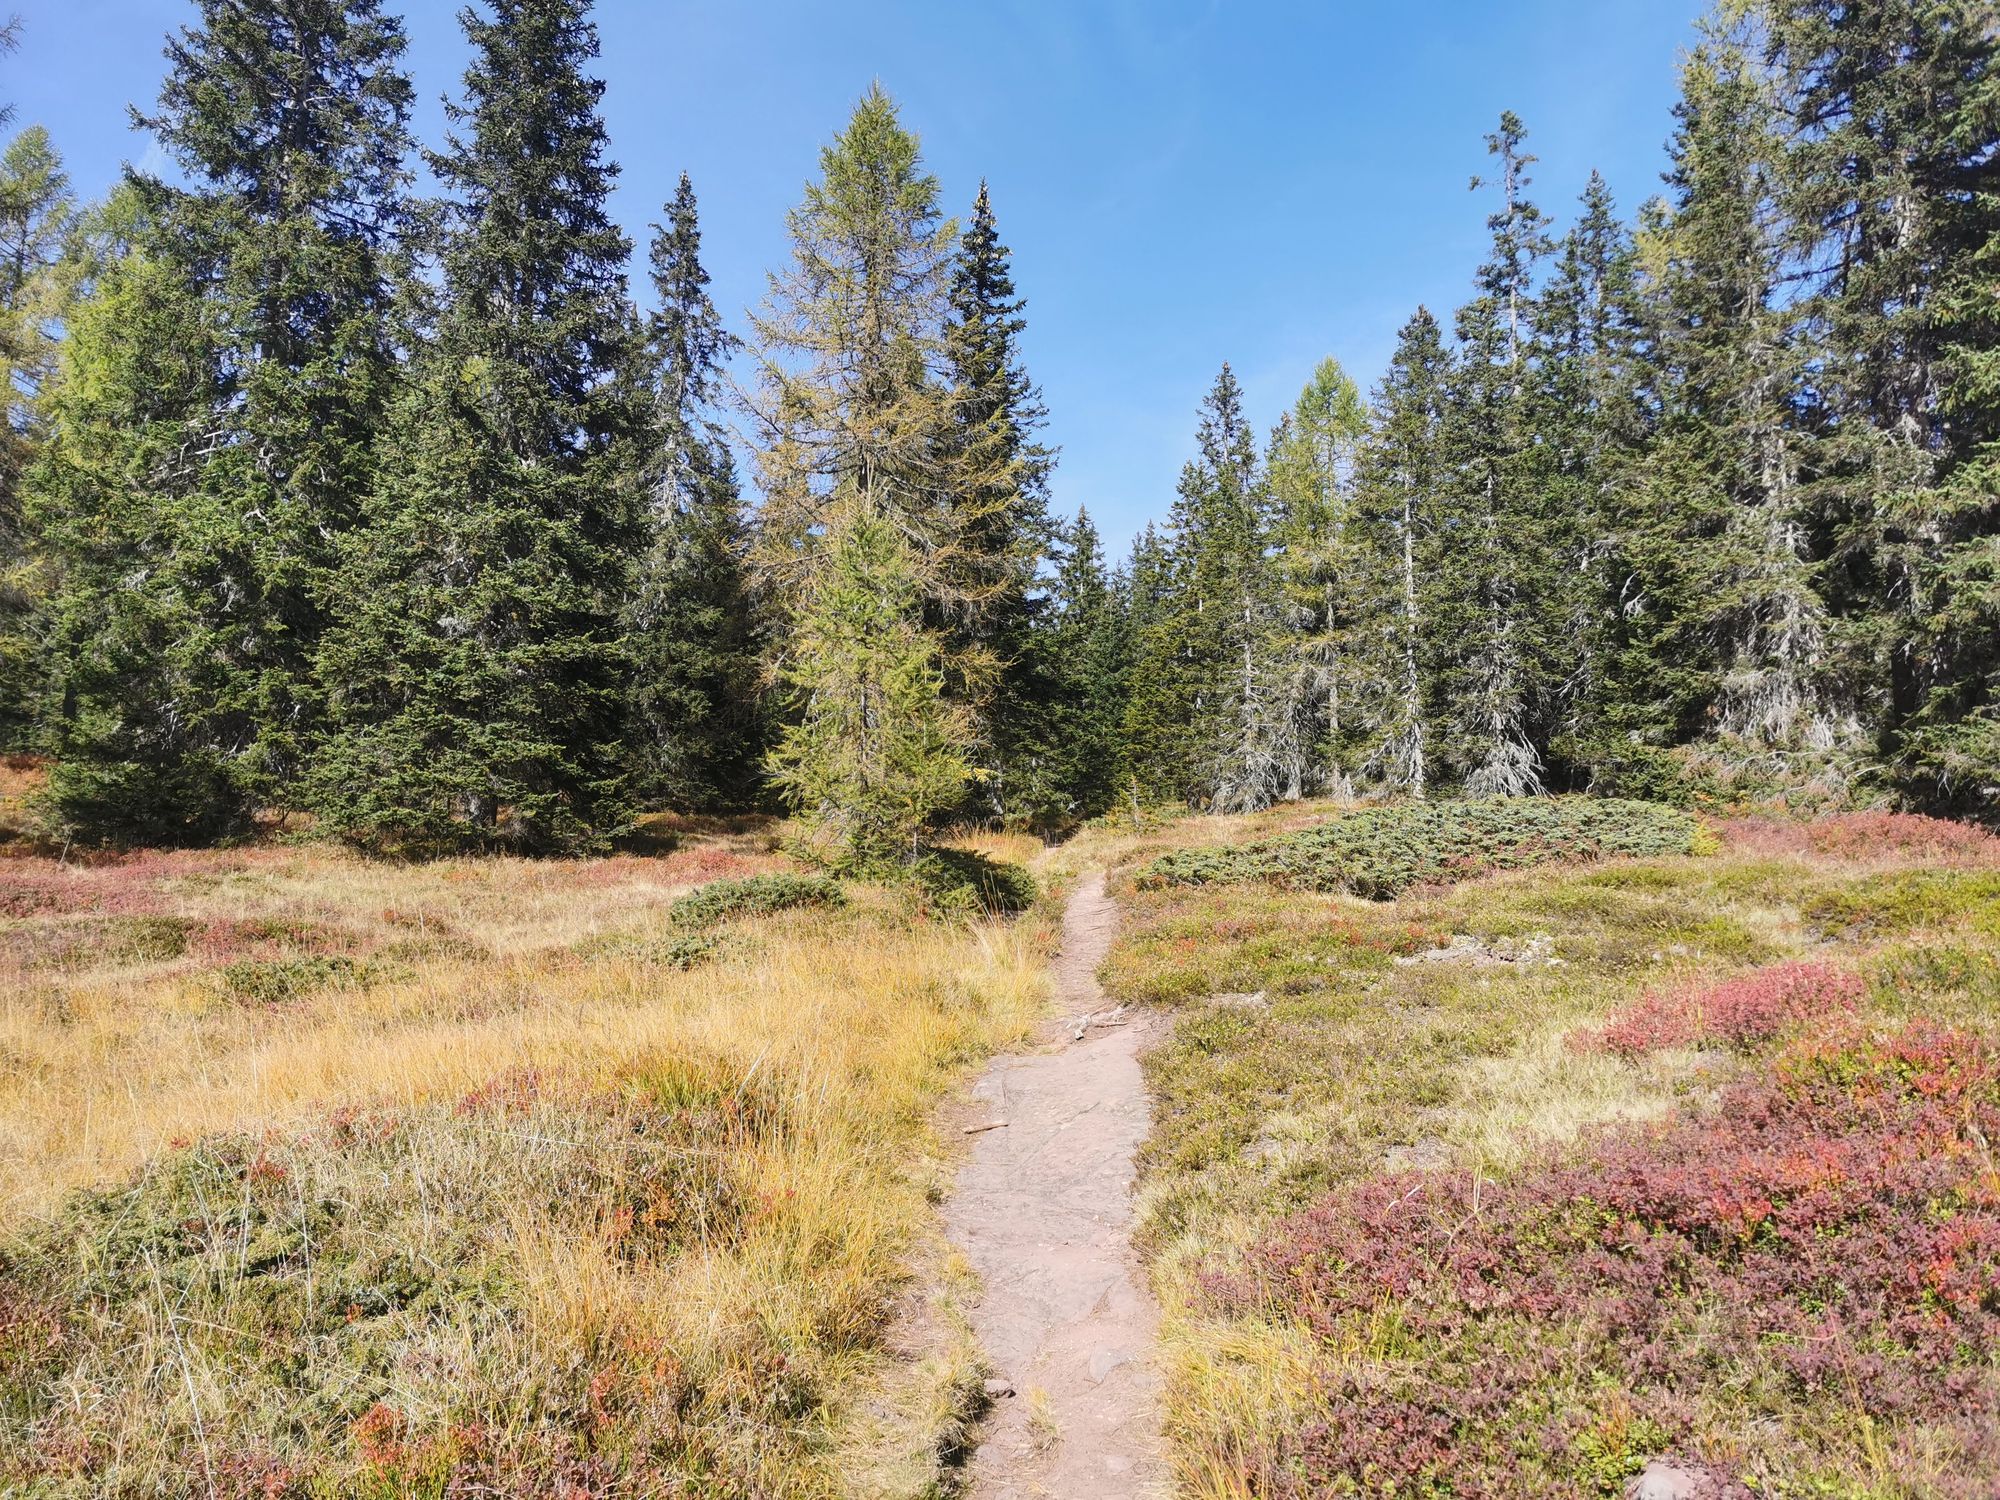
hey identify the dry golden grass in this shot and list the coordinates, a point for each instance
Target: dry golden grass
(821, 1040)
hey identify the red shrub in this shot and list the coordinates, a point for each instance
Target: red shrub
(1756, 834)
(1749, 1008)
(1870, 834)
(1861, 835)
(228, 938)
(1826, 1248)
(47, 887)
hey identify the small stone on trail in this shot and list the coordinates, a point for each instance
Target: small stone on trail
(1666, 1479)
(1104, 1361)
(998, 1388)
(1113, 1017)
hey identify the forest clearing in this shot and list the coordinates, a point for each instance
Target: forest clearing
(614, 886)
(634, 1175)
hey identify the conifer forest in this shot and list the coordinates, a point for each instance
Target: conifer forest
(611, 895)
(460, 521)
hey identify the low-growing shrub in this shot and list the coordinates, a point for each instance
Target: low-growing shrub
(93, 942)
(687, 951)
(1802, 1289)
(753, 896)
(229, 938)
(1860, 835)
(278, 981)
(1907, 900)
(1865, 834)
(1739, 1011)
(960, 880)
(1381, 852)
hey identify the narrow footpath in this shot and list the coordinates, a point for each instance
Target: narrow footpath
(1043, 1210)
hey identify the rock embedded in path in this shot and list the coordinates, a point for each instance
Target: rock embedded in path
(1672, 1479)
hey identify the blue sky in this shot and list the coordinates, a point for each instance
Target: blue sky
(1181, 182)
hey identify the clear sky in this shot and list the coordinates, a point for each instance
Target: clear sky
(1181, 182)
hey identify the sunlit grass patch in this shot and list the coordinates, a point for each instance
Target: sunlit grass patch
(1302, 1071)
(621, 1201)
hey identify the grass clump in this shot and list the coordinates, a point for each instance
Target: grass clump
(81, 942)
(753, 896)
(686, 951)
(1381, 852)
(1906, 901)
(375, 1290)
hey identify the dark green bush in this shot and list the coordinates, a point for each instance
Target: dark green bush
(686, 952)
(960, 880)
(754, 896)
(1380, 852)
(277, 981)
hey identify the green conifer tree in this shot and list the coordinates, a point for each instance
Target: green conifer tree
(858, 411)
(1400, 481)
(1159, 701)
(38, 227)
(995, 414)
(876, 750)
(1888, 175)
(1493, 733)
(1593, 401)
(1198, 696)
(1728, 617)
(1320, 653)
(477, 681)
(185, 699)
(696, 726)
(1064, 756)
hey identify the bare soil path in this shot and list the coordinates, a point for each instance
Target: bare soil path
(1043, 1210)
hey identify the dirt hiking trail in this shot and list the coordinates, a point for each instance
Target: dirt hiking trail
(1043, 1210)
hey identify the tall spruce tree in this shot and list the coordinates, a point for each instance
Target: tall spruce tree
(1593, 417)
(1493, 732)
(1195, 715)
(1064, 758)
(1002, 496)
(477, 678)
(1400, 478)
(1319, 654)
(1889, 177)
(1159, 703)
(1730, 555)
(696, 731)
(185, 697)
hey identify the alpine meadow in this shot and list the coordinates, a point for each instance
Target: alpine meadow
(607, 895)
